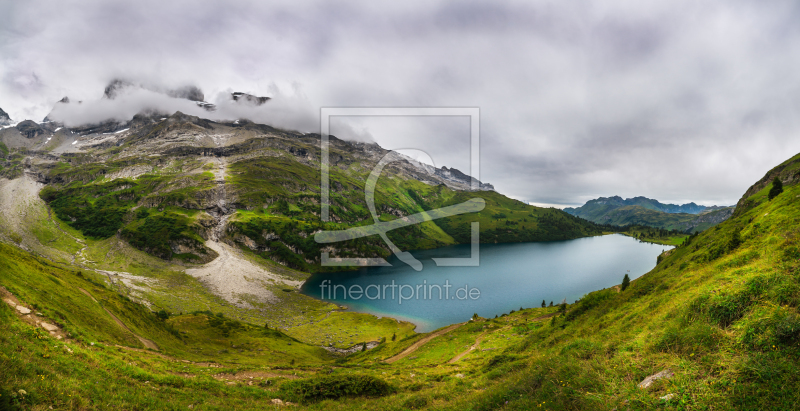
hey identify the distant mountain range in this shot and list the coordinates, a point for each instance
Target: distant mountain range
(615, 210)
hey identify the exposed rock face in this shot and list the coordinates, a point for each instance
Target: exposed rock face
(188, 92)
(351, 350)
(206, 106)
(114, 88)
(104, 127)
(191, 93)
(30, 129)
(248, 98)
(451, 177)
(4, 118)
(456, 176)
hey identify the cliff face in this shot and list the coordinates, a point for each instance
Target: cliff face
(454, 176)
(30, 129)
(4, 118)
(248, 98)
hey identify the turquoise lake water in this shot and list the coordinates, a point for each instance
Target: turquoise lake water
(510, 276)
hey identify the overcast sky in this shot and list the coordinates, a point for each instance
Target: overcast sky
(675, 100)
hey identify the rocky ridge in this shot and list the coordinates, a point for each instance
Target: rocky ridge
(5, 120)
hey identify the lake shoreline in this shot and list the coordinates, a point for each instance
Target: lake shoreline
(528, 262)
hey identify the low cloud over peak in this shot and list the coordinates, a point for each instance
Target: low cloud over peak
(123, 99)
(675, 101)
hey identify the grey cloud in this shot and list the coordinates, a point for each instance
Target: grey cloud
(291, 112)
(674, 100)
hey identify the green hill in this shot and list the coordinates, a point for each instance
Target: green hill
(189, 215)
(109, 306)
(686, 218)
(718, 316)
(602, 204)
(168, 185)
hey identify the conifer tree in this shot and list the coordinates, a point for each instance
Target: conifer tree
(777, 188)
(626, 281)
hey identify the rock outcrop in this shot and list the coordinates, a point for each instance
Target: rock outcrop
(4, 118)
(191, 93)
(30, 129)
(248, 98)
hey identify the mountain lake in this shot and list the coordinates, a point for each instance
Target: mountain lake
(510, 276)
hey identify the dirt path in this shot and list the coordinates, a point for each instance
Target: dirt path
(480, 338)
(147, 343)
(420, 343)
(473, 347)
(28, 315)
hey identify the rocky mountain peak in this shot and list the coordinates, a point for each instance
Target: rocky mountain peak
(249, 98)
(64, 100)
(30, 129)
(4, 118)
(191, 93)
(461, 180)
(114, 88)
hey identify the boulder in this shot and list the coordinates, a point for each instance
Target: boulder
(48, 326)
(649, 381)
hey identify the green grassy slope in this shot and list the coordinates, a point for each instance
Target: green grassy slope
(643, 211)
(282, 196)
(639, 215)
(276, 199)
(720, 312)
(58, 294)
(596, 208)
(655, 235)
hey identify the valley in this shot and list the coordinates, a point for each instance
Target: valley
(166, 260)
(411, 206)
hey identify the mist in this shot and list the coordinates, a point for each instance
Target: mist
(680, 101)
(291, 112)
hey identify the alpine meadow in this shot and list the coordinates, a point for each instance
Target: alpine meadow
(414, 206)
